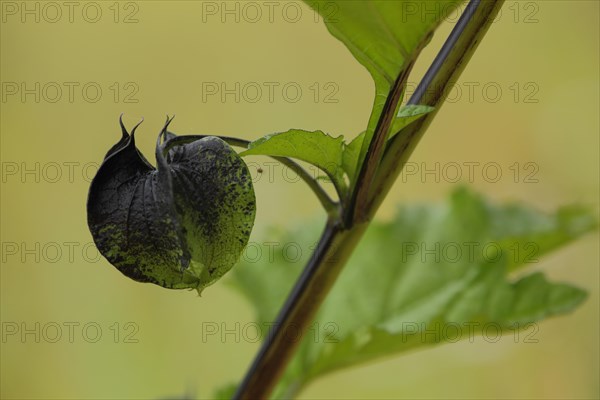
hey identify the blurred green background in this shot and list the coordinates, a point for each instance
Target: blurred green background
(543, 55)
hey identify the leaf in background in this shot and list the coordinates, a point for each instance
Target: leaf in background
(182, 225)
(316, 148)
(393, 289)
(406, 115)
(225, 392)
(383, 36)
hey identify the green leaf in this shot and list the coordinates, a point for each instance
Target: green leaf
(407, 115)
(383, 36)
(316, 148)
(225, 392)
(405, 279)
(351, 156)
(182, 225)
(352, 151)
(330, 154)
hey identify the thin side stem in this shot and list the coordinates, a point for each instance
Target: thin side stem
(330, 206)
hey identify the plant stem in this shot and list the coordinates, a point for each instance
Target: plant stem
(356, 210)
(333, 250)
(446, 68)
(339, 240)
